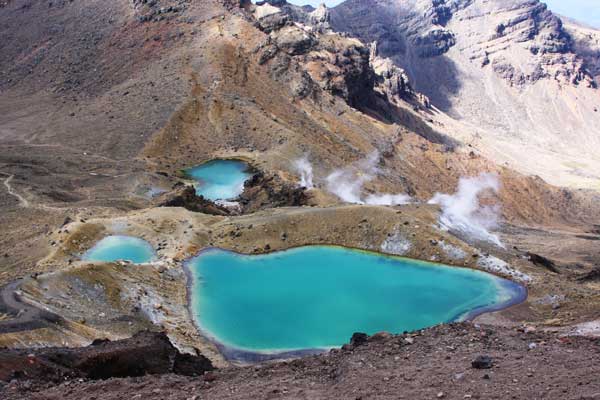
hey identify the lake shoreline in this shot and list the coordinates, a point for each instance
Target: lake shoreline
(244, 356)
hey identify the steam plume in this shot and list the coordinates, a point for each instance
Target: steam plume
(304, 168)
(462, 211)
(347, 183)
(386, 199)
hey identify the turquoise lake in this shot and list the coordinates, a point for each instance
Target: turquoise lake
(318, 296)
(117, 247)
(220, 179)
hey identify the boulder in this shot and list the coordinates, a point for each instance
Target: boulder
(359, 338)
(482, 362)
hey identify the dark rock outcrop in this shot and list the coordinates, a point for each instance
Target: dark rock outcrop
(433, 366)
(145, 353)
(261, 191)
(542, 261)
(346, 71)
(434, 42)
(185, 196)
(592, 276)
(293, 40)
(391, 80)
(333, 62)
(158, 10)
(268, 191)
(359, 338)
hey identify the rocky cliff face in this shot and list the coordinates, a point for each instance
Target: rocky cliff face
(586, 43)
(335, 63)
(392, 81)
(509, 72)
(340, 64)
(423, 29)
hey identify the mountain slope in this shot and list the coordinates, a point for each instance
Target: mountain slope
(515, 82)
(103, 104)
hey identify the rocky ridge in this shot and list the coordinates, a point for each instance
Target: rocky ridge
(424, 29)
(337, 63)
(158, 10)
(510, 78)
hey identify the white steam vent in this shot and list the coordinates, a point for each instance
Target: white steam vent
(347, 183)
(462, 211)
(304, 168)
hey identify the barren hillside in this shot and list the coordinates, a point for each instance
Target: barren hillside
(520, 85)
(102, 104)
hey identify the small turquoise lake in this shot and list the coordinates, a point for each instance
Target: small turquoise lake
(316, 297)
(220, 179)
(118, 247)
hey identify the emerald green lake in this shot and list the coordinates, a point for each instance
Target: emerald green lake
(118, 247)
(220, 179)
(316, 297)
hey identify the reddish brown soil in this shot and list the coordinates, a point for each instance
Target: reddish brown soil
(435, 363)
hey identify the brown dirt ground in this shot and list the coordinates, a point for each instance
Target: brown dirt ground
(435, 363)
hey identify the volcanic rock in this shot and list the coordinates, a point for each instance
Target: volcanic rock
(482, 362)
(145, 353)
(359, 338)
(268, 191)
(185, 196)
(542, 262)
